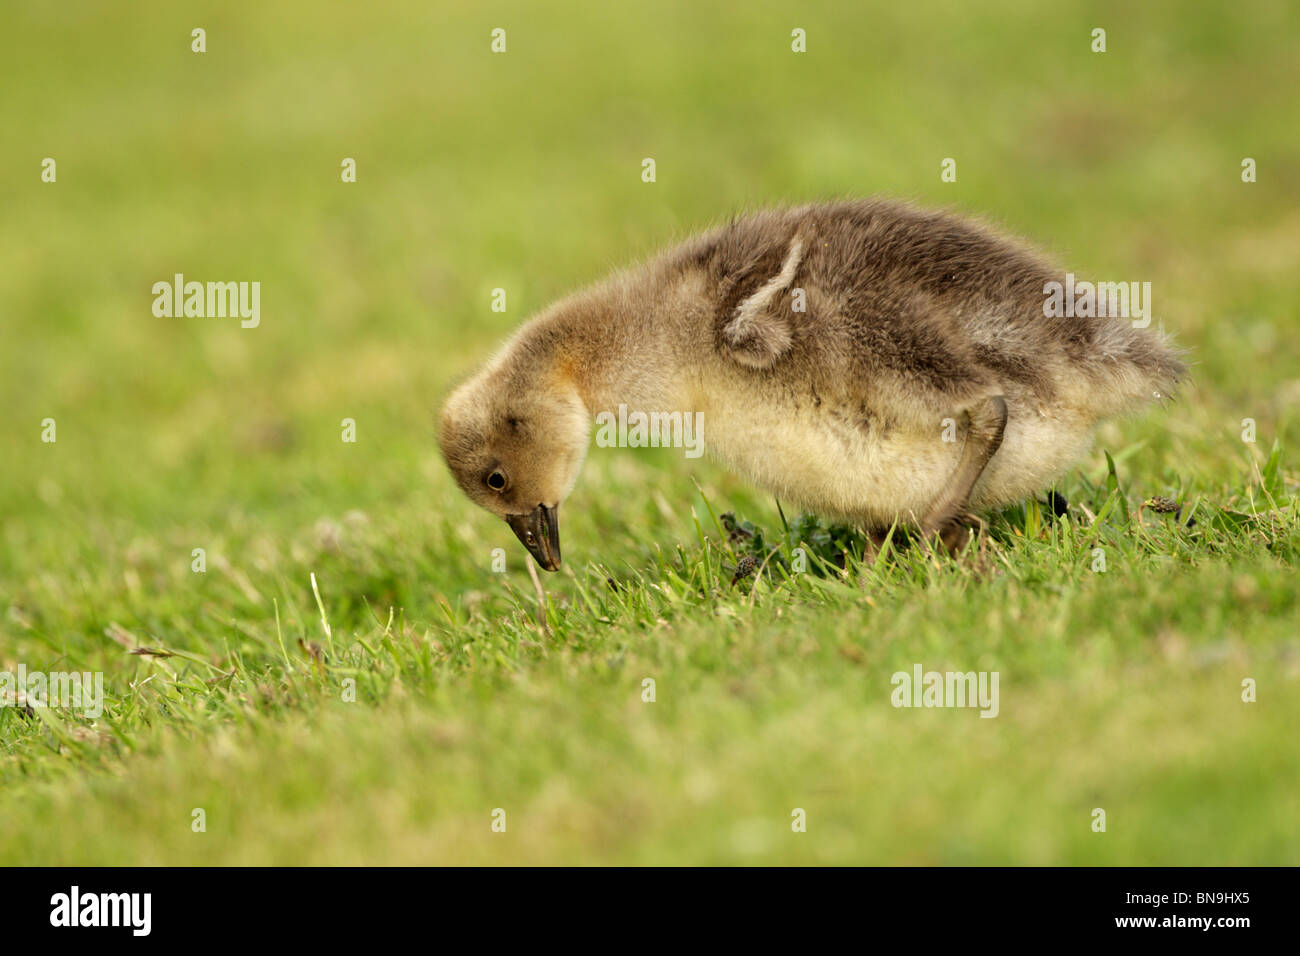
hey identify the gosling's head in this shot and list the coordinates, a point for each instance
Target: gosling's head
(515, 443)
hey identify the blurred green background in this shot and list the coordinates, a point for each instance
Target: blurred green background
(522, 170)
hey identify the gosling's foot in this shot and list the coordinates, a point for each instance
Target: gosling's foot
(958, 532)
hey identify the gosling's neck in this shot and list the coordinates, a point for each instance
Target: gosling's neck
(610, 349)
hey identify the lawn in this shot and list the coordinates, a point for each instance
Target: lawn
(347, 679)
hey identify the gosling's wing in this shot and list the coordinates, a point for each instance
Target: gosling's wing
(758, 330)
(754, 271)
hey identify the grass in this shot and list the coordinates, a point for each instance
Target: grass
(1121, 688)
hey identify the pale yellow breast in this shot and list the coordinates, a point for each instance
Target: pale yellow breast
(828, 465)
(812, 459)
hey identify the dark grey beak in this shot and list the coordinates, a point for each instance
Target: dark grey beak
(539, 530)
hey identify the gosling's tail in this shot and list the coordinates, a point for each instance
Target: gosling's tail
(1133, 366)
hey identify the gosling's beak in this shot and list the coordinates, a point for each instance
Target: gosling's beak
(539, 530)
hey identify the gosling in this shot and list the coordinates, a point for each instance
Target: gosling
(863, 359)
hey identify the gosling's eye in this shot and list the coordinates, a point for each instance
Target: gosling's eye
(497, 480)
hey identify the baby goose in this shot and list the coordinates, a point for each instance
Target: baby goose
(863, 359)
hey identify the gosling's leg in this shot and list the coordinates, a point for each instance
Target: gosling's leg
(947, 517)
(876, 538)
